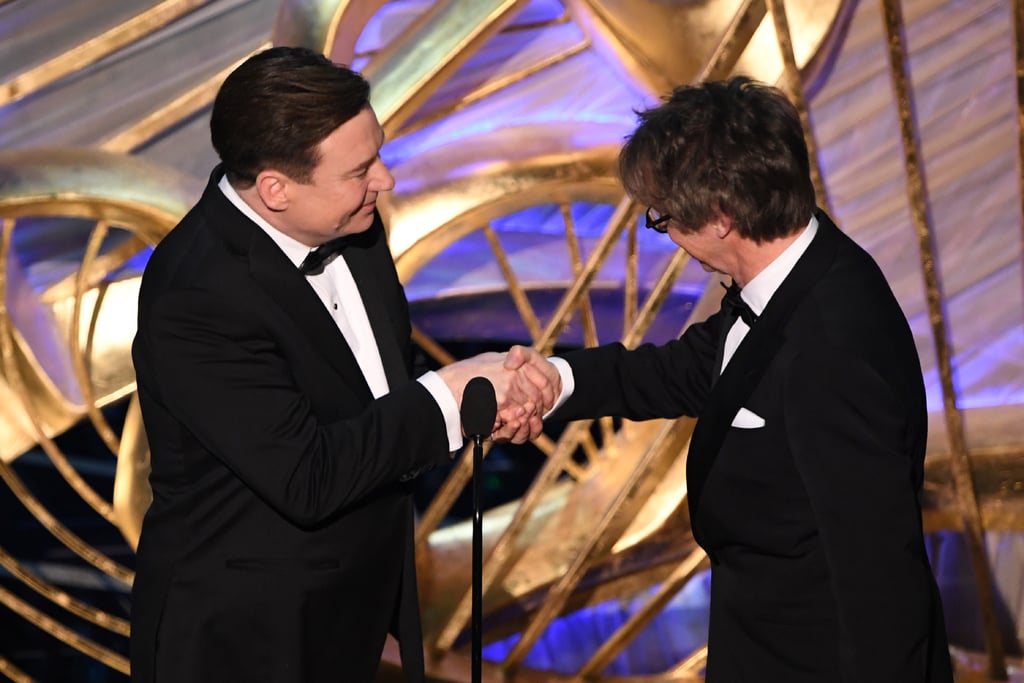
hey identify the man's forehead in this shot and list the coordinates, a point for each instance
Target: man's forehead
(356, 140)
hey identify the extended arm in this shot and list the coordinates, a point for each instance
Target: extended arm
(226, 380)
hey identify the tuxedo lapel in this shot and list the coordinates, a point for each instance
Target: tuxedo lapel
(283, 283)
(752, 357)
(280, 280)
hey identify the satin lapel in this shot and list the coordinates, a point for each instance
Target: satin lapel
(368, 279)
(748, 364)
(282, 281)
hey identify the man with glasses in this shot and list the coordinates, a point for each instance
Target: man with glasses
(806, 462)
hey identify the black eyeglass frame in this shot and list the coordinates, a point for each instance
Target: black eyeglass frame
(659, 224)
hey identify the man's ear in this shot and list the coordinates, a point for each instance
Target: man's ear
(272, 187)
(723, 226)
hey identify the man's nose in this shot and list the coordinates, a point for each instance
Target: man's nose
(384, 181)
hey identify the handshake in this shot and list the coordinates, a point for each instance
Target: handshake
(526, 386)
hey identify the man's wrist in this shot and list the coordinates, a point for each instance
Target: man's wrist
(445, 400)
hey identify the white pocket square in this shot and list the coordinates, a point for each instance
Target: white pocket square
(746, 419)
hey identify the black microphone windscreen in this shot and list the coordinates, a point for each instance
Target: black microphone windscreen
(479, 407)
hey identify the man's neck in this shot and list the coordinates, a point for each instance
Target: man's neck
(295, 251)
(251, 196)
(752, 257)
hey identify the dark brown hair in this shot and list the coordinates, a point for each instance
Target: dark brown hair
(726, 148)
(275, 109)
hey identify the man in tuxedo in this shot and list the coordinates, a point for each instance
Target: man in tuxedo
(806, 462)
(274, 359)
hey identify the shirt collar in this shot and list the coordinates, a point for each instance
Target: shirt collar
(759, 290)
(295, 251)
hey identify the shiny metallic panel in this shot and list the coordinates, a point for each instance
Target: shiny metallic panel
(62, 633)
(645, 38)
(430, 52)
(329, 26)
(619, 517)
(171, 113)
(917, 192)
(792, 83)
(1018, 35)
(95, 49)
(424, 221)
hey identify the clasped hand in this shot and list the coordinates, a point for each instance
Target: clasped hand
(526, 386)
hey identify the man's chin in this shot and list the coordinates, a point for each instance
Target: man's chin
(361, 222)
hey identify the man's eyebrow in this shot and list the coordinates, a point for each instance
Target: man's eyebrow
(366, 164)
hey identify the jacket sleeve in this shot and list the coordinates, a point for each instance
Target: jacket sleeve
(651, 381)
(225, 380)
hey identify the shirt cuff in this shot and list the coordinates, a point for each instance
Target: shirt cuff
(568, 383)
(449, 408)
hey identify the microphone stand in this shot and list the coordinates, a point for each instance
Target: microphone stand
(478, 412)
(478, 553)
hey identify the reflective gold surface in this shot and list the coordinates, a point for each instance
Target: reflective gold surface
(1018, 35)
(412, 68)
(966, 499)
(330, 26)
(63, 633)
(95, 49)
(792, 84)
(90, 316)
(661, 44)
(605, 518)
(180, 108)
(536, 171)
(998, 475)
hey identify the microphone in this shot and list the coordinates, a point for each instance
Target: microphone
(479, 408)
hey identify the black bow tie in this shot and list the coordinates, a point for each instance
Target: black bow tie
(734, 306)
(314, 262)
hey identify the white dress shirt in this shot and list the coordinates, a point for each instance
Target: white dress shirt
(759, 290)
(337, 290)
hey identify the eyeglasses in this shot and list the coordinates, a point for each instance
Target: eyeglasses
(657, 221)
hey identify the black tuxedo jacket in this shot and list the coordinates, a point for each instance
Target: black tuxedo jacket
(279, 544)
(812, 521)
